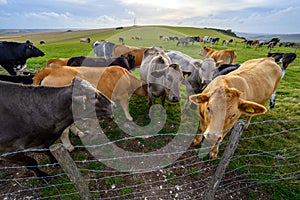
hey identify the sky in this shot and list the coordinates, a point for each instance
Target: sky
(250, 16)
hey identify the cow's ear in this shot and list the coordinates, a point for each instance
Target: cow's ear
(159, 73)
(199, 98)
(186, 74)
(251, 108)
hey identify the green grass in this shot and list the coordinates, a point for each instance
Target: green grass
(66, 44)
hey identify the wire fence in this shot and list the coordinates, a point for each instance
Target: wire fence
(256, 161)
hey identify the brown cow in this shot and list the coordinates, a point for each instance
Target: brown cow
(125, 50)
(55, 62)
(241, 92)
(115, 82)
(227, 56)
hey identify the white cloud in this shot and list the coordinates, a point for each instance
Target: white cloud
(3, 1)
(48, 15)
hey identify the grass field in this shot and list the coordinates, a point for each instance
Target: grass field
(66, 44)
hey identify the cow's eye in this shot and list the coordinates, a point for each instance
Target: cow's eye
(232, 116)
(30, 47)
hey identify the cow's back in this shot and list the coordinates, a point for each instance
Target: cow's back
(257, 79)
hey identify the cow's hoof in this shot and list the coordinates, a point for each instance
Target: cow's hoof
(213, 156)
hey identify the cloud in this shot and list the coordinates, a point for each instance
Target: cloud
(3, 2)
(48, 15)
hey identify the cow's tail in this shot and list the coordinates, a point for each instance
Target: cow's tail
(40, 75)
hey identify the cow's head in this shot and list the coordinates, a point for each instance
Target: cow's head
(32, 51)
(220, 109)
(206, 70)
(204, 51)
(131, 61)
(172, 76)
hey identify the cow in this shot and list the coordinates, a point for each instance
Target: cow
(284, 58)
(125, 50)
(186, 40)
(24, 79)
(115, 82)
(227, 42)
(241, 92)
(227, 56)
(55, 62)
(103, 49)
(13, 55)
(126, 62)
(202, 71)
(163, 78)
(121, 40)
(33, 118)
(164, 38)
(87, 40)
(210, 40)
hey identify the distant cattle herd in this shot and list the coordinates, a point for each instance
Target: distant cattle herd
(46, 113)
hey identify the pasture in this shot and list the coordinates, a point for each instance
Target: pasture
(265, 164)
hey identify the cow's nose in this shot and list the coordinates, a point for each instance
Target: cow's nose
(175, 99)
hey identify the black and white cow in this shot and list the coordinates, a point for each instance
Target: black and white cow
(34, 117)
(186, 40)
(284, 58)
(126, 62)
(13, 55)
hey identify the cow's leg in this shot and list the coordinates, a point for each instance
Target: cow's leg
(213, 154)
(66, 140)
(124, 103)
(149, 105)
(163, 99)
(9, 69)
(30, 163)
(199, 137)
(272, 100)
(76, 131)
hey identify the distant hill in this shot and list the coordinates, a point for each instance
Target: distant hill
(267, 37)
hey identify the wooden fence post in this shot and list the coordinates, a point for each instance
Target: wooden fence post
(67, 163)
(228, 153)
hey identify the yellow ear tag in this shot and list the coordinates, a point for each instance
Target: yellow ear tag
(186, 75)
(250, 110)
(198, 100)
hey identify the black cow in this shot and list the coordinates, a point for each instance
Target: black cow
(225, 69)
(284, 58)
(24, 79)
(34, 117)
(13, 55)
(126, 62)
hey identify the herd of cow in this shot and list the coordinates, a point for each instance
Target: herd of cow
(36, 109)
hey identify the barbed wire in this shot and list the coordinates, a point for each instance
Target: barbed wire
(176, 181)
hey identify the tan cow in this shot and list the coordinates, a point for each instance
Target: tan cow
(241, 92)
(115, 82)
(55, 62)
(227, 56)
(125, 50)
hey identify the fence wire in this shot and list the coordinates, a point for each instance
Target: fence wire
(185, 178)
